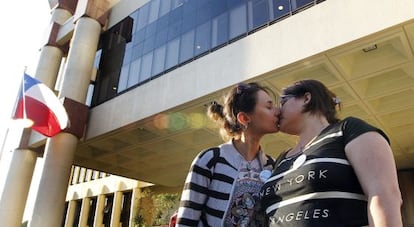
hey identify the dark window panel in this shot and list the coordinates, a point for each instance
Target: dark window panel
(176, 15)
(163, 23)
(165, 7)
(258, 13)
(220, 30)
(146, 66)
(154, 10)
(299, 4)
(151, 29)
(174, 30)
(161, 38)
(237, 21)
(143, 17)
(189, 21)
(158, 63)
(204, 13)
(173, 48)
(139, 36)
(134, 72)
(149, 44)
(137, 51)
(218, 7)
(281, 8)
(203, 38)
(234, 3)
(187, 46)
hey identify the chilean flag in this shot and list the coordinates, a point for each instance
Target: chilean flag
(39, 103)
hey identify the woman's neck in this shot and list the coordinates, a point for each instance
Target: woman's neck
(248, 148)
(309, 132)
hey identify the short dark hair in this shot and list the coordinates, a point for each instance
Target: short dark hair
(323, 100)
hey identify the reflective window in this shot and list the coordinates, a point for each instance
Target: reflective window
(165, 7)
(298, 4)
(174, 30)
(187, 46)
(146, 66)
(189, 21)
(220, 30)
(203, 38)
(258, 13)
(134, 69)
(281, 8)
(97, 58)
(162, 23)
(159, 60)
(149, 44)
(172, 53)
(127, 55)
(237, 21)
(161, 38)
(176, 3)
(137, 51)
(123, 78)
(139, 36)
(153, 10)
(150, 30)
(143, 17)
(234, 3)
(218, 7)
(204, 13)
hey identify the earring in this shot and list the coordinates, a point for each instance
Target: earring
(244, 127)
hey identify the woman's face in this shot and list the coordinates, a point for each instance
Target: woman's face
(290, 113)
(265, 118)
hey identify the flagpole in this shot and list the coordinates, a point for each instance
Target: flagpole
(23, 96)
(25, 123)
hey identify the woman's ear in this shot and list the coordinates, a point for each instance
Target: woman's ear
(243, 118)
(307, 97)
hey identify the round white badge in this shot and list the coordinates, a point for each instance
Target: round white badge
(264, 175)
(299, 161)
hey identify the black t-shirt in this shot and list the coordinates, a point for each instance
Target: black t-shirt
(321, 188)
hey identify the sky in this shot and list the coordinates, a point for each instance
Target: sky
(23, 25)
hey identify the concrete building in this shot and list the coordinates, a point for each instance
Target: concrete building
(137, 75)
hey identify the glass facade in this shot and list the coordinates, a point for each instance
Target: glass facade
(168, 33)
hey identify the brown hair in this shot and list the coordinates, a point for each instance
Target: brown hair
(240, 98)
(323, 100)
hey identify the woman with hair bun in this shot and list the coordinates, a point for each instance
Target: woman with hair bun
(223, 183)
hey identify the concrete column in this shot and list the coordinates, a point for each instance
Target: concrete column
(70, 214)
(116, 209)
(60, 15)
(80, 59)
(16, 189)
(100, 204)
(49, 64)
(136, 196)
(51, 55)
(60, 149)
(84, 214)
(50, 199)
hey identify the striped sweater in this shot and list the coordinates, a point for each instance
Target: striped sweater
(209, 185)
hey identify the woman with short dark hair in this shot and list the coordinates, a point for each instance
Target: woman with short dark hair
(340, 172)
